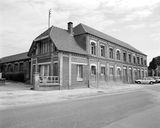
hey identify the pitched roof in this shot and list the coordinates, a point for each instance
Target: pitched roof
(65, 41)
(21, 56)
(62, 39)
(81, 29)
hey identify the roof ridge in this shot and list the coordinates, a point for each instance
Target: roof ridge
(14, 55)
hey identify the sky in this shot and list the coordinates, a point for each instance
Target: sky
(136, 22)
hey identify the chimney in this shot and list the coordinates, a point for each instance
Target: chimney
(70, 28)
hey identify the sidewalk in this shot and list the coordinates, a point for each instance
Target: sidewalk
(19, 94)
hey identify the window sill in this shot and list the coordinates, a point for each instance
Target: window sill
(79, 79)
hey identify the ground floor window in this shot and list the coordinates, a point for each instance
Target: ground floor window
(102, 70)
(93, 70)
(119, 73)
(111, 71)
(44, 70)
(125, 74)
(79, 72)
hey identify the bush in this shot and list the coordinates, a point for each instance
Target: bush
(14, 76)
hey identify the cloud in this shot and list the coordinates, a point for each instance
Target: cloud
(138, 14)
(155, 36)
(136, 26)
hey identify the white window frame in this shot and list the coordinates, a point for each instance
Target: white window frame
(103, 74)
(79, 78)
(92, 41)
(119, 54)
(91, 69)
(101, 50)
(43, 69)
(110, 72)
(112, 53)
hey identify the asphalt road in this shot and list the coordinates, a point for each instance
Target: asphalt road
(137, 109)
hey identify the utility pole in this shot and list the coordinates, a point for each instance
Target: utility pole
(49, 17)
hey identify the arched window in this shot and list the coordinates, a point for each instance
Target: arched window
(102, 50)
(118, 55)
(93, 48)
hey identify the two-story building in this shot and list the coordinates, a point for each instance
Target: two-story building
(84, 57)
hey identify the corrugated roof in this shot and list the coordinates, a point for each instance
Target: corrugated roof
(21, 56)
(65, 41)
(81, 29)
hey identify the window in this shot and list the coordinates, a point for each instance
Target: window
(119, 73)
(118, 55)
(10, 68)
(79, 72)
(125, 56)
(111, 71)
(93, 48)
(21, 67)
(102, 70)
(93, 70)
(142, 61)
(16, 67)
(145, 62)
(138, 60)
(134, 59)
(102, 50)
(129, 57)
(44, 70)
(43, 47)
(111, 53)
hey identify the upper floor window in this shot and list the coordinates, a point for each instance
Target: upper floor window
(145, 62)
(129, 57)
(142, 61)
(93, 48)
(138, 61)
(102, 50)
(118, 56)
(43, 47)
(134, 59)
(125, 56)
(111, 53)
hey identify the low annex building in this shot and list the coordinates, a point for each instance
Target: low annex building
(16, 67)
(84, 57)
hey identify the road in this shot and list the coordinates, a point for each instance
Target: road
(139, 108)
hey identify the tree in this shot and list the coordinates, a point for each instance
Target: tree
(153, 64)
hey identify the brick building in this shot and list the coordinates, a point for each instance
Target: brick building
(16, 67)
(84, 57)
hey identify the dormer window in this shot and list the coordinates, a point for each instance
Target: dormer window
(93, 47)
